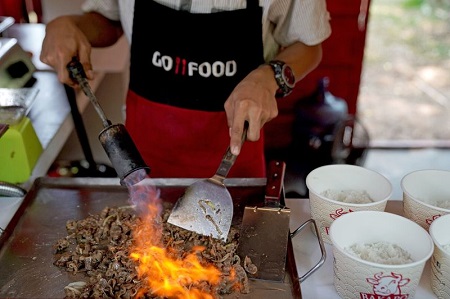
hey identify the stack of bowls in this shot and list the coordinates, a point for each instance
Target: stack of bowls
(378, 254)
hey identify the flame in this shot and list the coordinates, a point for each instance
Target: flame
(166, 274)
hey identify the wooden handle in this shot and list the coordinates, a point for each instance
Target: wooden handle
(275, 182)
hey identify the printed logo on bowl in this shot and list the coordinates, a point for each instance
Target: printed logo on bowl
(338, 213)
(386, 286)
(434, 217)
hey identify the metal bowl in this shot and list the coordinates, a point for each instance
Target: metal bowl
(15, 103)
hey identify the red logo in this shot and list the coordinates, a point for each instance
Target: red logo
(338, 213)
(386, 287)
(434, 217)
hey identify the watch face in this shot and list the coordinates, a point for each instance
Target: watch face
(288, 76)
(284, 76)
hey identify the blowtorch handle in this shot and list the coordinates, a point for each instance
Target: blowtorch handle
(76, 73)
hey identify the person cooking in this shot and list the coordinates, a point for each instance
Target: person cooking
(199, 70)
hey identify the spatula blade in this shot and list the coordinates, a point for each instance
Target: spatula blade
(264, 238)
(206, 208)
(265, 230)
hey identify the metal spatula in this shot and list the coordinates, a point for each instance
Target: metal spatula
(206, 206)
(265, 229)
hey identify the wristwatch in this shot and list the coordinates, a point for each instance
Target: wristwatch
(284, 76)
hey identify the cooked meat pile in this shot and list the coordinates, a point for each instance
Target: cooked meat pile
(99, 246)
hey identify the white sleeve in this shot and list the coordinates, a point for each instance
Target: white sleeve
(289, 21)
(108, 8)
(307, 21)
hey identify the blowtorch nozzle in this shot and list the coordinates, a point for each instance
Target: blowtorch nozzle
(117, 143)
(122, 153)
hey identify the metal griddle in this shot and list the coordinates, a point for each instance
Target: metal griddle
(26, 255)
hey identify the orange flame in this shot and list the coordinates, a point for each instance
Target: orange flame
(162, 269)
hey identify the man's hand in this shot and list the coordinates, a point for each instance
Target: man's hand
(74, 36)
(64, 40)
(252, 100)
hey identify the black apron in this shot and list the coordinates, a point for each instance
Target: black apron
(183, 68)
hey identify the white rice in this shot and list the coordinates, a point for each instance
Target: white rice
(348, 196)
(381, 252)
(444, 204)
(447, 247)
(440, 203)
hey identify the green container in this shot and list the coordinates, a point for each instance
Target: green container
(19, 151)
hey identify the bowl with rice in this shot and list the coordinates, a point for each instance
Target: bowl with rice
(440, 260)
(337, 189)
(426, 195)
(378, 255)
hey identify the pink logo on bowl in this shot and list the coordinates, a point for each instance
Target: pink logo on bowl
(338, 213)
(386, 287)
(434, 217)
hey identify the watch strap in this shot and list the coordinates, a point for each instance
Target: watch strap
(284, 77)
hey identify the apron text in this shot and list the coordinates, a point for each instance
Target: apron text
(204, 69)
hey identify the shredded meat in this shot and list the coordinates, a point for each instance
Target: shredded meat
(99, 247)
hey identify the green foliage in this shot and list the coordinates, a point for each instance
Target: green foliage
(433, 5)
(413, 3)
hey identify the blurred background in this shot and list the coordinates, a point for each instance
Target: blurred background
(405, 87)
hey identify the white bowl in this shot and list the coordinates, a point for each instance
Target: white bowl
(344, 177)
(422, 190)
(355, 277)
(440, 261)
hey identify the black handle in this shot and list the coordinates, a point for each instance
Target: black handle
(76, 69)
(228, 158)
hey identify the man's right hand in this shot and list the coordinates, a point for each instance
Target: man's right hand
(74, 36)
(64, 40)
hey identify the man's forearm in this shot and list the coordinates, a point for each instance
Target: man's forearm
(301, 58)
(100, 31)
